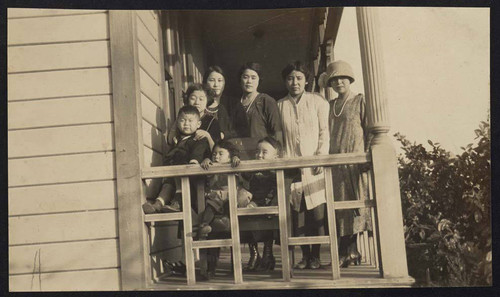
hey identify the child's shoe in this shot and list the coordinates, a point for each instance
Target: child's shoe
(314, 263)
(303, 264)
(174, 205)
(150, 208)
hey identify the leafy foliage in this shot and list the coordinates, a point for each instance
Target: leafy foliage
(446, 207)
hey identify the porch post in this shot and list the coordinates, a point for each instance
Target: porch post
(385, 171)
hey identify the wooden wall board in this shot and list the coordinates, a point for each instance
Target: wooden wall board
(58, 112)
(60, 140)
(58, 29)
(85, 280)
(148, 64)
(149, 22)
(63, 227)
(62, 198)
(61, 169)
(66, 83)
(37, 12)
(152, 137)
(150, 88)
(64, 256)
(152, 113)
(145, 38)
(58, 56)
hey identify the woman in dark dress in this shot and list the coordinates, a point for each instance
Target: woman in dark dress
(215, 82)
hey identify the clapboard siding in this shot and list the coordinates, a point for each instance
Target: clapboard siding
(152, 113)
(64, 83)
(58, 56)
(60, 140)
(149, 22)
(61, 169)
(36, 12)
(62, 198)
(63, 227)
(70, 28)
(58, 112)
(87, 280)
(150, 88)
(64, 256)
(153, 138)
(145, 38)
(149, 64)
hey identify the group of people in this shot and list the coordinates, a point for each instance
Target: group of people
(300, 124)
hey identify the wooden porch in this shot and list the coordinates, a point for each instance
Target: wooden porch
(365, 275)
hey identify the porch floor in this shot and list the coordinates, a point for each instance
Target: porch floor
(362, 276)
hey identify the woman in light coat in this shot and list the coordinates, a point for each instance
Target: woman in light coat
(304, 118)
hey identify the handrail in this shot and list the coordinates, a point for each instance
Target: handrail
(258, 165)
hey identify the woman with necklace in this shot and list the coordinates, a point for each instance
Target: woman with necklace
(215, 81)
(305, 129)
(348, 134)
(255, 115)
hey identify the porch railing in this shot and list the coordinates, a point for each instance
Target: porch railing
(369, 248)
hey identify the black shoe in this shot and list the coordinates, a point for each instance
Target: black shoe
(268, 261)
(174, 206)
(255, 259)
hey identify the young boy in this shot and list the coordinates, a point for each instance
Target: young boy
(262, 187)
(217, 189)
(185, 151)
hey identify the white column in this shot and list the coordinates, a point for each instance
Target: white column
(386, 182)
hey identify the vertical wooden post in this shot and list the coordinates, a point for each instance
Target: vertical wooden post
(235, 229)
(282, 202)
(389, 213)
(134, 247)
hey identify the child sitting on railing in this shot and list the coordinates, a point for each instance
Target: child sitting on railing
(217, 195)
(186, 151)
(262, 186)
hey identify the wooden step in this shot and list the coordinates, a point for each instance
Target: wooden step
(308, 240)
(163, 217)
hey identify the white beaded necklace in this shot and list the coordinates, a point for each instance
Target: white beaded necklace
(342, 109)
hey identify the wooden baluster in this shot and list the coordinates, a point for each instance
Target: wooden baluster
(283, 222)
(235, 229)
(376, 251)
(188, 231)
(332, 226)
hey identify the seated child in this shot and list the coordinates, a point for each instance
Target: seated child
(186, 151)
(262, 187)
(218, 194)
(196, 95)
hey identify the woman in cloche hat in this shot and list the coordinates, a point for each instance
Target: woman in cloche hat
(348, 134)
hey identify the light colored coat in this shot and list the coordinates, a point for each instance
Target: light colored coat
(306, 133)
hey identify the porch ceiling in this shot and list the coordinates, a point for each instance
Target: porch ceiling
(270, 37)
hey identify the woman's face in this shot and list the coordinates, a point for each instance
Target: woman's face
(249, 81)
(295, 83)
(340, 84)
(198, 99)
(216, 82)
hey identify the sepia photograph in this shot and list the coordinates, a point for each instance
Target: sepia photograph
(248, 149)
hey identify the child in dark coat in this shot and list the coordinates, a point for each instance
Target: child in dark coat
(187, 150)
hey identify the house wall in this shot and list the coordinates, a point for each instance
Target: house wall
(62, 192)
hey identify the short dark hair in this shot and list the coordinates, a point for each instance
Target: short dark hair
(229, 146)
(297, 66)
(273, 142)
(188, 109)
(213, 68)
(196, 87)
(252, 66)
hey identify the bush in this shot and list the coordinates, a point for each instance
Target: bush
(446, 208)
